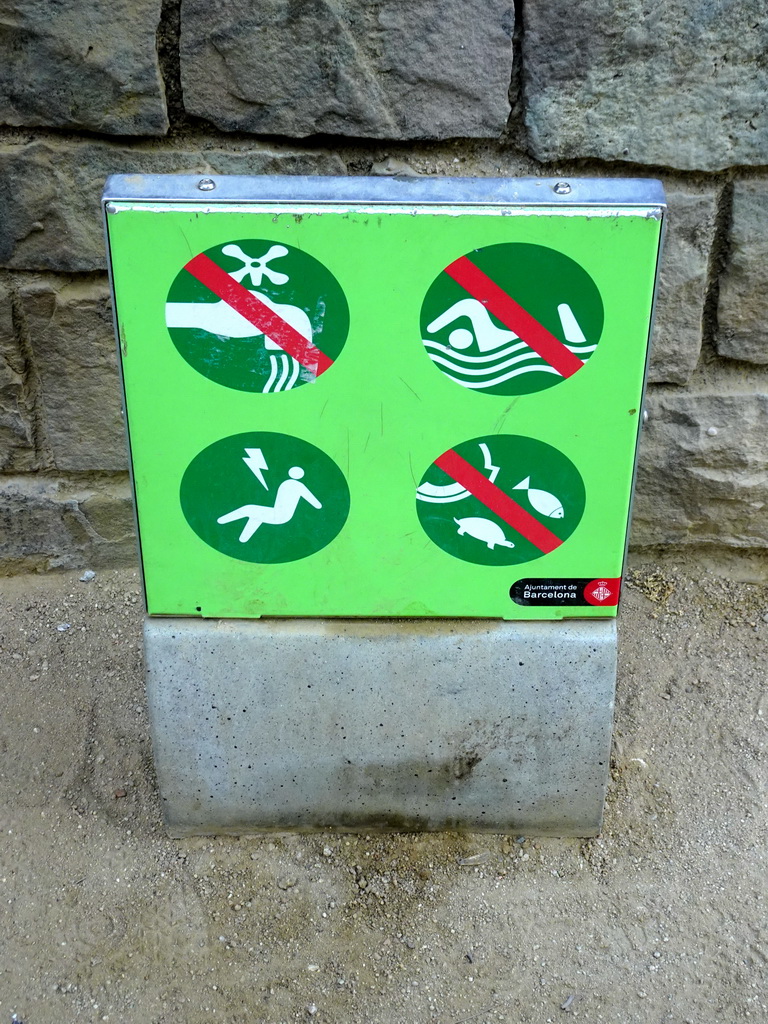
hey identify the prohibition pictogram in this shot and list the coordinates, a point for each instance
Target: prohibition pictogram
(500, 500)
(264, 497)
(283, 331)
(511, 319)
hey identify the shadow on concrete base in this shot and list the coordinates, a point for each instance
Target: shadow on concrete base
(359, 725)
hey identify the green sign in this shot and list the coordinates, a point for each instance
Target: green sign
(264, 497)
(467, 445)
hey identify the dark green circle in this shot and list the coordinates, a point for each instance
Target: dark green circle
(244, 363)
(518, 458)
(218, 481)
(537, 278)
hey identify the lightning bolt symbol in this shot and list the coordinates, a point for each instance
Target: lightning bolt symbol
(488, 462)
(255, 461)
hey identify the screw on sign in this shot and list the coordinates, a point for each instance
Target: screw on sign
(500, 500)
(264, 497)
(257, 316)
(511, 319)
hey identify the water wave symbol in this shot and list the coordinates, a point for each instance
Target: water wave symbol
(479, 372)
(283, 375)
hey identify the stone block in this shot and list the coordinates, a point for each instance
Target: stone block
(82, 65)
(319, 724)
(407, 69)
(702, 477)
(677, 334)
(65, 523)
(742, 314)
(69, 324)
(50, 191)
(681, 84)
(17, 446)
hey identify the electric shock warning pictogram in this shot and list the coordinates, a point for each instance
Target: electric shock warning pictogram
(511, 319)
(255, 315)
(500, 500)
(264, 497)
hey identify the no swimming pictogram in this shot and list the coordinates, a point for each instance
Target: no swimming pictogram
(257, 316)
(511, 319)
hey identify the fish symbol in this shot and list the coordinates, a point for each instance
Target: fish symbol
(544, 502)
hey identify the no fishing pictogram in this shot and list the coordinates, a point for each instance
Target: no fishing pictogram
(502, 499)
(497, 501)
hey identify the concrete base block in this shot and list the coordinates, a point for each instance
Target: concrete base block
(359, 725)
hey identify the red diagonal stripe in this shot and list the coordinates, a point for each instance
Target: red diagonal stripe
(260, 315)
(512, 315)
(497, 501)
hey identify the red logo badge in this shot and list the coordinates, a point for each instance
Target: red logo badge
(602, 592)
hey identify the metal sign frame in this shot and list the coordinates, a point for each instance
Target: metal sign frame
(582, 230)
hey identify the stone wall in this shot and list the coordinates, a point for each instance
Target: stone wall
(588, 88)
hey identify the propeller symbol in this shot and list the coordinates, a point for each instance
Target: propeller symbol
(257, 268)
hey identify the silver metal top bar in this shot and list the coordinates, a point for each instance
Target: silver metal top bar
(562, 191)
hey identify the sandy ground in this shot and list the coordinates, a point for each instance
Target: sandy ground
(103, 918)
